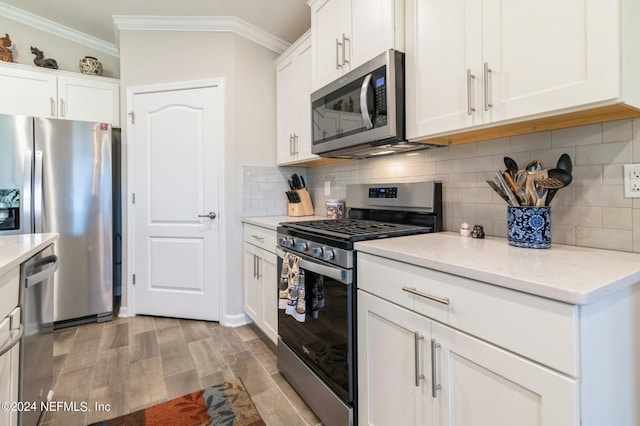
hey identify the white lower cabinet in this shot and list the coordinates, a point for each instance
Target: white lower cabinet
(260, 279)
(415, 371)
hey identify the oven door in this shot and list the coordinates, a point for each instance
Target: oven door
(324, 340)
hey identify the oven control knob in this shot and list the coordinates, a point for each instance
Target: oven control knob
(328, 255)
(316, 252)
(286, 242)
(302, 246)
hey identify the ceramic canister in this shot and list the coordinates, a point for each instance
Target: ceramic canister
(529, 227)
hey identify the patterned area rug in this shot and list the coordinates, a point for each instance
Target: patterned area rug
(225, 404)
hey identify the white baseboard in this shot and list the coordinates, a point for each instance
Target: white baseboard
(237, 320)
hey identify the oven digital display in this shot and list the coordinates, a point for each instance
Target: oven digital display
(379, 82)
(386, 192)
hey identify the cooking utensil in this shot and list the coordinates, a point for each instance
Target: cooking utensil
(512, 166)
(518, 191)
(536, 194)
(291, 185)
(561, 175)
(564, 163)
(499, 191)
(304, 185)
(551, 183)
(513, 200)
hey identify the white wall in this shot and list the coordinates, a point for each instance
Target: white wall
(66, 52)
(590, 212)
(153, 57)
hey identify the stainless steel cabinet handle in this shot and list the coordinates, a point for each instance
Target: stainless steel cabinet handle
(210, 215)
(15, 339)
(344, 49)
(254, 266)
(444, 301)
(295, 144)
(62, 109)
(290, 143)
(53, 107)
(258, 275)
(417, 338)
(470, 95)
(338, 64)
(255, 237)
(488, 101)
(434, 386)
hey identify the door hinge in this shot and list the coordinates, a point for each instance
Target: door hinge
(134, 279)
(133, 117)
(133, 198)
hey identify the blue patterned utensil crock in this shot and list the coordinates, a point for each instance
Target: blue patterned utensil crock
(529, 227)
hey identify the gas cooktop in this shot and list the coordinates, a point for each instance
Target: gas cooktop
(356, 229)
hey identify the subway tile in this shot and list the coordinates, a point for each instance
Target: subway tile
(478, 164)
(531, 142)
(614, 152)
(612, 174)
(636, 140)
(636, 230)
(449, 166)
(604, 196)
(617, 131)
(577, 136)
(500, 146)
(606, 238)
(477, 195)
(588, 175)
(583, 216)
(617, 218)
(466, 150)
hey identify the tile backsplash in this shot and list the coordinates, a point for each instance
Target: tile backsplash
(590, 212)
(263, 189)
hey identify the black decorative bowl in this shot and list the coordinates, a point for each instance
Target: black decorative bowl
(529, 227)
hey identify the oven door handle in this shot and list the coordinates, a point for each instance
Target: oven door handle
(342, 275)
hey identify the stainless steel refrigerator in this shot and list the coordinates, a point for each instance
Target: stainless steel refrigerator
(56, 176)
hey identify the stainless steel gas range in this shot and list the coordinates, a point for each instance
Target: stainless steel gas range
(317, 294)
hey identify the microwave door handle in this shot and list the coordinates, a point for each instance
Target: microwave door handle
(364, 108)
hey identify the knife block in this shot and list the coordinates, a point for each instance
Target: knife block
(304, 207)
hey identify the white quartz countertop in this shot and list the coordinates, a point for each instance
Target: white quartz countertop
(272, 222)
(15, 249)
(576, 275)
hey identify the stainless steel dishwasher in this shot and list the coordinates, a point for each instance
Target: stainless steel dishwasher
(36, 353)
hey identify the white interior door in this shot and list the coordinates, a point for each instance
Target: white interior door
(177, 146)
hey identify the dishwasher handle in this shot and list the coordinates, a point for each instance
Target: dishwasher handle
(15, 339)
(42, 275)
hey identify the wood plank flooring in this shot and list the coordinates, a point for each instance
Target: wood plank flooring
(132, 363)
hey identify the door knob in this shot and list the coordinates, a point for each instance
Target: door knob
(210, 215)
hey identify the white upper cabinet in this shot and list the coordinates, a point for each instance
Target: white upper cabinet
(293, 81)
(58, 94)
(347, 33)
(473, 64)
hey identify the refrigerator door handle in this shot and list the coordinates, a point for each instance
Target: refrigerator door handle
(26, 191)
(37, 193)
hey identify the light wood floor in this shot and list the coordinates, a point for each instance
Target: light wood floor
(132, 363)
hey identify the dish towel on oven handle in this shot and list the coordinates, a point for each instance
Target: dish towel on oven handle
(291, 296)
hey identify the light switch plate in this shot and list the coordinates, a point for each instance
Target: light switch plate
(631, 173)
(327, 187)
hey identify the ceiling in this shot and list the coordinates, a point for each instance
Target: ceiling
(285, 19)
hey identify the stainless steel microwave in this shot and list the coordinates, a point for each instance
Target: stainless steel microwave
(362, 113)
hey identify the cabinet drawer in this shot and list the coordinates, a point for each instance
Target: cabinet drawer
(260, 237)
(540, 329)
(9, 291)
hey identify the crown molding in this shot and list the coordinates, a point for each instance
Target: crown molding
(201, 23)
(56, 29)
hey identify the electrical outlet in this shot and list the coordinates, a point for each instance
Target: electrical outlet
(327, 187)
(631, 173)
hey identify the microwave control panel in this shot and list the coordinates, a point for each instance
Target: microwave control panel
(380, 95)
